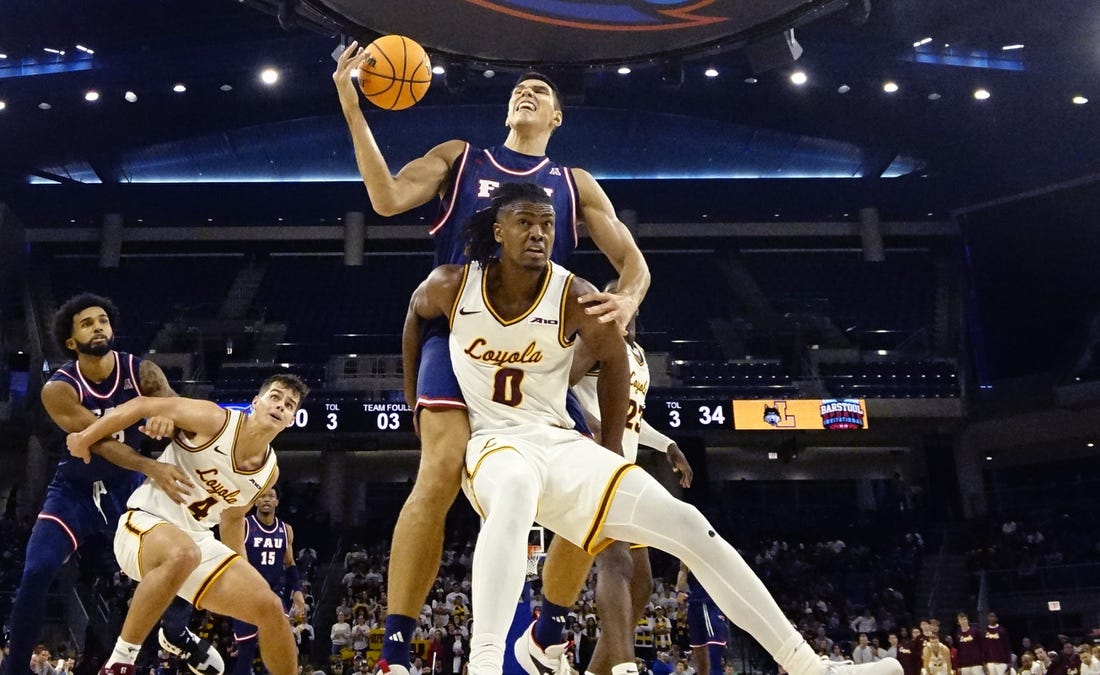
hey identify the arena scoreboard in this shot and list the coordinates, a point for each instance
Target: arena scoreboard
(692, 413)
(667, 410)
(345, 416)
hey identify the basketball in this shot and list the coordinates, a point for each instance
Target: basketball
(396, 73)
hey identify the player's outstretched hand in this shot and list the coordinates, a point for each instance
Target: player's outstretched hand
(79, 447)
(680, 465)
(610, 307)
(346, 64)
(158, 428)
(169, 478)
(298, 607)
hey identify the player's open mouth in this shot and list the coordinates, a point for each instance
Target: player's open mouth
(525, 105)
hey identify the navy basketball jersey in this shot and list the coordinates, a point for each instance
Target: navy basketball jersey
(696, 592)
(122, 385)
(477, 173)
(266, 547)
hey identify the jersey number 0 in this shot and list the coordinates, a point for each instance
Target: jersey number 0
(506, 386)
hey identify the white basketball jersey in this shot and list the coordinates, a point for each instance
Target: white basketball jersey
(219, 484)
(639, 386)
(493, 357)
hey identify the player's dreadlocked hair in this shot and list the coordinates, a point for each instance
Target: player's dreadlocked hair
(481, 245)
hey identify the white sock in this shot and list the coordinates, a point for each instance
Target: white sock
(645, 513)
(507, 491)
(629, 668)
(124, 652)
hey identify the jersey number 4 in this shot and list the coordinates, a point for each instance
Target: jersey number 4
(201, 508)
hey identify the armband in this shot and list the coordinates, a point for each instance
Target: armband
(293, 579)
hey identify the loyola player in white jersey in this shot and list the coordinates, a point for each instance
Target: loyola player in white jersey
(624, 578)
(169, 548)
(525, 463)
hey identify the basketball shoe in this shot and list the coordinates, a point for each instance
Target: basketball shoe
(198, 654)
(118, 669)
(536, 661)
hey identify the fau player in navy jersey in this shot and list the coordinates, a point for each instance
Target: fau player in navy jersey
(707, 629)
(86, 499)
(477, 173)
(465, 178)
(269, 543)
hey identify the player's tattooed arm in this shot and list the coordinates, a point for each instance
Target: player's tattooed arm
(64, 408)
(154, 383)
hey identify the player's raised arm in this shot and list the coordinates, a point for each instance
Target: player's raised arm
(433, 298)
(418, 181)
(611, 236)
(199, 417)
(64, 408)
(606, 346)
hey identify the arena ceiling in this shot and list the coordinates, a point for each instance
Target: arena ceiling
(931, 141)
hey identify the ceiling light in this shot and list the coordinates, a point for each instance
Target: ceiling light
(85, 49)
(3, 56)
(44, 106)
(438, 69)
(799, 77)
(179, 88)
(981, 94)
(50, 50)
(623, 70)
(130, 97)
(922, 42)
(1080, 100)
(750, 80)
(91, 96)
(489, 73)
(890, 87)
(226, 87)
(1007, 48)
(989, 458)
(3, 105)
(269, 76)
(843, 89)
(711, 72)
(933, 96)
(1090, 444)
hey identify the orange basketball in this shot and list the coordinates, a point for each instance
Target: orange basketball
(396, 74)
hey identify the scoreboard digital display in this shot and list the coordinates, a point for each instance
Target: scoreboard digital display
(666, 410)
(352, 417)
(698, 414)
